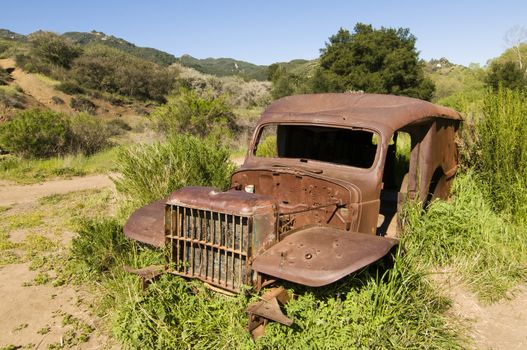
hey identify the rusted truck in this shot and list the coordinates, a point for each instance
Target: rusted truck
(317, 196)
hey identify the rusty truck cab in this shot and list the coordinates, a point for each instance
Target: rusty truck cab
(317, 196)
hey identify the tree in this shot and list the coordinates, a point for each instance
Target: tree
(372, 60)
(286, 83)
(507, 75)
(515, 37)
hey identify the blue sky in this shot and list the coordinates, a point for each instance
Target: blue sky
(268, 31)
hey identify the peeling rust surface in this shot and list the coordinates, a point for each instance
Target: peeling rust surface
(318, 256)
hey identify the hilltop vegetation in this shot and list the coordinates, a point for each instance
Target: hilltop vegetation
(146, 53)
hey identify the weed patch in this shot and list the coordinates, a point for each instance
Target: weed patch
(489, 252)
(28, 171)
(376, 308)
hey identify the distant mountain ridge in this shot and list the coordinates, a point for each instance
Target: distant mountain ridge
(6, 34)
(214, 66)
(147, 53)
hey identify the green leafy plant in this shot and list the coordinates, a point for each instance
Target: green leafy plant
(189, 112)
(35, 133)
(150, 172)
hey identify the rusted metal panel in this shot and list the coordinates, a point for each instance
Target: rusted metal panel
(352, 109)
(318, 256)
(147, 224)
(213, 235)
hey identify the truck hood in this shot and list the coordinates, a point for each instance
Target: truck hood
(318, 256)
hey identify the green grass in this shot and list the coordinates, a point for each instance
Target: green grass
(465, 235)
(27, 171)
(376, 308)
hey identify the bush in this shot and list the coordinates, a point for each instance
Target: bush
(507, 75)
(87, 135)
(43, 133)
(188, 112)
(35, 133)
(150, 172)
(70, 87)
(53, 49)
(117, 127)
(83, 104)
(110, 70)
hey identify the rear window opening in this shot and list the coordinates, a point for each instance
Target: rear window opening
(350, 147)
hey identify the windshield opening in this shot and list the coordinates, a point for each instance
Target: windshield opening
(355, 148)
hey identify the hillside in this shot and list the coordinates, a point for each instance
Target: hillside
(222, 67)
(147, 53)
(9, 35)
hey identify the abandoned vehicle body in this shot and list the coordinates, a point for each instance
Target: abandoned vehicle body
(317, 196)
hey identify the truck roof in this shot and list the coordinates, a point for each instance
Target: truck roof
(355, 109)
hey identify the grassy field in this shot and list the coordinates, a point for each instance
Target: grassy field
(27, 171)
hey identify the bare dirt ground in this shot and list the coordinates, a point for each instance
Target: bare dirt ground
(36, 88)
(41, 315)
(33, 315)
(41, 92)
(11, 193)
(502, 325)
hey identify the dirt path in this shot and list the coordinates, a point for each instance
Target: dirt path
(39, 315)
(34, 87)
(33, 315)
(502, 325)
(11, 193)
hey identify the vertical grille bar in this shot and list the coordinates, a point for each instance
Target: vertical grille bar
(209, 245)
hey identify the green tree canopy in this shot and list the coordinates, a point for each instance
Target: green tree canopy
(372, 60)
(507, 74)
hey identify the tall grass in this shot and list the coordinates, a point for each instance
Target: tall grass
(34, 170)
(501, 147)
(485, 249)
(150, 172)
(380, 307)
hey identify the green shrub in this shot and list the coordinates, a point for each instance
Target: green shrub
(53, 49)
(100, 244)
(83, 104)
(43, 133)
(188, 112)
(87, 134)
(117, 127)
(110, 70)
(35, 133)
(4, 76)
(150, 172)
(70, 87)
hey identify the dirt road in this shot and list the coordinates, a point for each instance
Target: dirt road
(11, 193)
(36, 313)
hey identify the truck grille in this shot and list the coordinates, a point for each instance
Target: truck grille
(208, 245)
